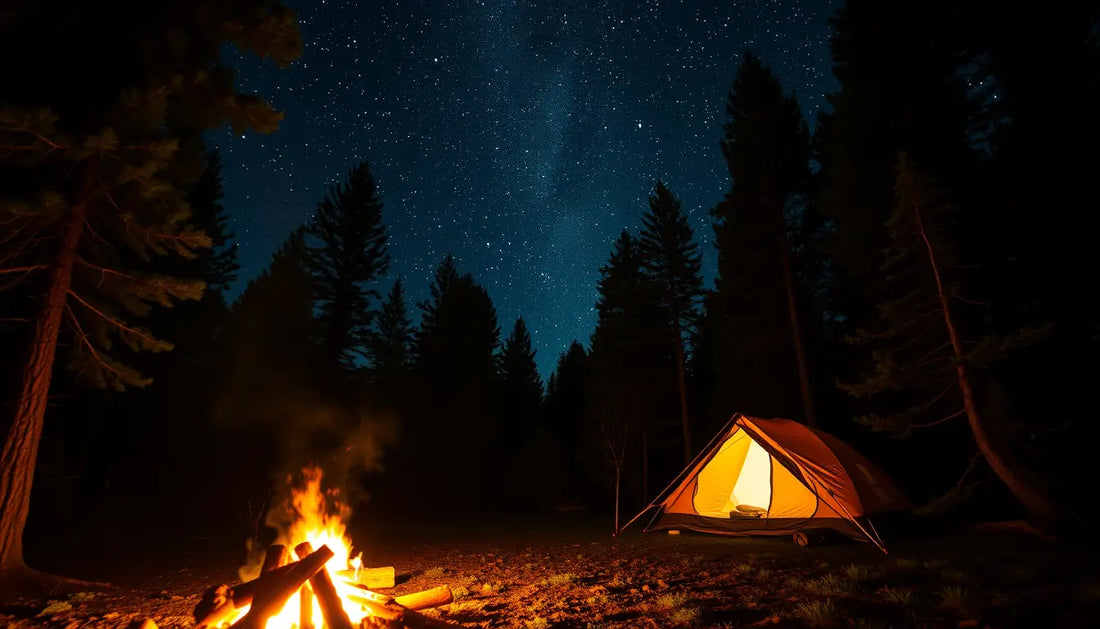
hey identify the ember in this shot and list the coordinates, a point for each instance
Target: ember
(333, 588)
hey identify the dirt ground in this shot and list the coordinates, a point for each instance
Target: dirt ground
(570, 572)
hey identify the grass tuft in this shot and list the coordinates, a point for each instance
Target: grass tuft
(434, 573)
(492, 588)
(858, 572)
(817, 613)
(905, 598)
(685, 617)
(906, 562)
(828, 584)
(955, 597)
(672, 600)
(564, 578)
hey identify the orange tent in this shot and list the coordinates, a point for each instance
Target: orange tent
(777, 477)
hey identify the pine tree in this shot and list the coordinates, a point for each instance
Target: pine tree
(391, 344)
(348, 255)
(630, 351)
(217, 265)
(269, 350)
(95, 186)
(671, 260)
(901, 89)
(456, 372)
(567, 405)
(521, 404)
(920, 351)
(520, 376)
(754, 309)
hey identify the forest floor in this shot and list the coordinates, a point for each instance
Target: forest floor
(569, 572)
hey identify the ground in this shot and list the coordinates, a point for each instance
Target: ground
(570, 572)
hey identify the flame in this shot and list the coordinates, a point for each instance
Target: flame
(317, 517)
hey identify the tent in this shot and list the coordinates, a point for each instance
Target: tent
(777, 477)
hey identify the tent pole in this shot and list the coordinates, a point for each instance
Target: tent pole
(679, 476)
(875, 539)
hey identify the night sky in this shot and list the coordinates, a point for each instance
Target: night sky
(522, 137)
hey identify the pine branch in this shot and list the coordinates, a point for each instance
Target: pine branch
(83, 337)
(23, 269)
(937, 398)
(153, 342)
(939, 421)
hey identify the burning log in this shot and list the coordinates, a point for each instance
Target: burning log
(275, 557)
(305, 607)
(331, 607)
(373, 578)
(219, 604)
(272, 590)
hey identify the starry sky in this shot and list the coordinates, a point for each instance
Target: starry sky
(520, 136)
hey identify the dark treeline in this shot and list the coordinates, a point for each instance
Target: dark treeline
(910, 274)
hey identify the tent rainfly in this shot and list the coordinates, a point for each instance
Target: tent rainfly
(777, 477)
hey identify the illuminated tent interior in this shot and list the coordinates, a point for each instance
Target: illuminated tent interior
(777, 477)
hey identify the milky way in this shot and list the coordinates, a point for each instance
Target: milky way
(522, 137)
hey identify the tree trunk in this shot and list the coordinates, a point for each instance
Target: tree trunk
(796, 330)
(20, 452)
(1041, 509)
(681, 382)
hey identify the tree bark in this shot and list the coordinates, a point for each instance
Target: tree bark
(17, 460)
(808, 410)
(1041, 509)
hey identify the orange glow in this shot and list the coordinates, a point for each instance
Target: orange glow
(317, 517)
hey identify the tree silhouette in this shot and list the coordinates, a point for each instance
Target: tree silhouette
(521, 405)
(754, 308)
(919, 345)
(567, 406)
(348, 254)
(457, 384)
(391, 344)
(631, 347)
(671, 259)
(95, 186)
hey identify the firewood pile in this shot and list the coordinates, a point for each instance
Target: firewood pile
(280, 579)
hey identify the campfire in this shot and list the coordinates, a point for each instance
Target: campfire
(308, 579)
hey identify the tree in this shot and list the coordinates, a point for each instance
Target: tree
(522, 386)
(630, 350)
(671, 260)
(349, 254)
(265, 380)
(391, 343)
(457, 384)
(95, 186)
(919, 346)
(767, 149)
(901, 89)
(567, 405)
(217, 265)
(521, 404)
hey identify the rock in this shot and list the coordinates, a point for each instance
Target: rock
(145, 623)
